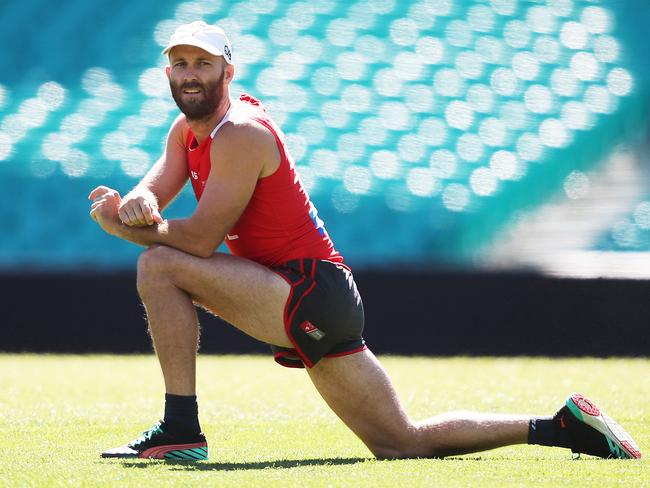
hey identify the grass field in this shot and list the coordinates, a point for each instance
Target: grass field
(266, 426)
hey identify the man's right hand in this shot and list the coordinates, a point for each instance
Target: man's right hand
(138, 211)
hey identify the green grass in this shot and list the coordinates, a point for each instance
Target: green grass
(266, 426)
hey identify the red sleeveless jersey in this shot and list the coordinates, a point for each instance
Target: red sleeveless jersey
(279, 223)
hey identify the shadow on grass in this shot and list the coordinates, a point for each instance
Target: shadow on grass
(280, 464)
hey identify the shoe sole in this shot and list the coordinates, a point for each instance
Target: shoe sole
(620, 442)
(178, 452)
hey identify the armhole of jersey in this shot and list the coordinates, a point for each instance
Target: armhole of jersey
(188, 139)
(284, 160)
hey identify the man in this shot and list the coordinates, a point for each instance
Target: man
(284, 283)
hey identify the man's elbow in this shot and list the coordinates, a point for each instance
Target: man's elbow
(204, 254)
(200, 241)
(205, 249)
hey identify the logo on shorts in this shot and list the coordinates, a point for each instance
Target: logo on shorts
(311, 330)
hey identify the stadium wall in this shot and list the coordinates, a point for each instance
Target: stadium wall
(423, 313)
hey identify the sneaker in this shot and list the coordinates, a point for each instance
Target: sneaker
(593, 432)
(155, 443)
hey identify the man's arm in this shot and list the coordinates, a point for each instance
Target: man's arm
(239, 155)
(142, 205)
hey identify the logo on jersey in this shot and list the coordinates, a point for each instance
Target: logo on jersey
(232, 237)
(195, 175)
(311, 330)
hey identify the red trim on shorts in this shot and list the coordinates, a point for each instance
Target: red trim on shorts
(291, 285)
(288, 319)
(287, 327)
(346, 353)
(288, 364)
(286, 304)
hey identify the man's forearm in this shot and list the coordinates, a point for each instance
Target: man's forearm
(176, 233)
(142, 190)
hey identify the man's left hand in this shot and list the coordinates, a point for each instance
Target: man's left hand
(105, 207)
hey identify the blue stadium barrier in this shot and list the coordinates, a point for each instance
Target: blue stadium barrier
(420, 128)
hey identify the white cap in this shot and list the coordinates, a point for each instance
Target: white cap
(210, 38)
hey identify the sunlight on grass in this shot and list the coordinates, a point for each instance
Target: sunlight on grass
(266, 426)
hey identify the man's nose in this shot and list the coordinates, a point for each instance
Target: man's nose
(189, 74)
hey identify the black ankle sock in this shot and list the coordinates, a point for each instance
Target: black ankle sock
(181, 414)
(547, 431)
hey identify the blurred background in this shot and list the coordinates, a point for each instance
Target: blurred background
(483, 165)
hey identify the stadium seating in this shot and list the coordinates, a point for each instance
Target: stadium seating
(631, 233)
(419, 128)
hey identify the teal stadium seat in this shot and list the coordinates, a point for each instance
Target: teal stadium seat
(420, 128)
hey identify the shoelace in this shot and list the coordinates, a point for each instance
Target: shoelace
(147, 434)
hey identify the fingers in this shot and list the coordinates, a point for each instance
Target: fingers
(99, 202)
(139, 212)
(146, 213)
(99, 208)
(98, 192)
(124, 216)
(105, 203)
(129, 216)
(157, 218)
(116, 196)
(153, 215)
(104, 191)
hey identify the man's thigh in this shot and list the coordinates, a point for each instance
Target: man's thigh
(358, 390)
(246, 294)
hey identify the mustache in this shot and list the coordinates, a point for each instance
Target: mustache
(191, 85)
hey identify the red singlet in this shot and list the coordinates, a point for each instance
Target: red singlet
(279, 223)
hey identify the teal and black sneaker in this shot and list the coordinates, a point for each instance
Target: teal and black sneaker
(593, 432)
(155, 443)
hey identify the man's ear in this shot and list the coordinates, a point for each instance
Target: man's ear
(230, 72)
(168, 70)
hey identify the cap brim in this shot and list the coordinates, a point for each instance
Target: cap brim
(192, 41)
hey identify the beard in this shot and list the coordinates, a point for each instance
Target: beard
(197, 107)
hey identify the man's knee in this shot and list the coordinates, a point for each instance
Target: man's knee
(153, 263)
(406, 445)
(394, 450)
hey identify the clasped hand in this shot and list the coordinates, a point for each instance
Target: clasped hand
(109, 210)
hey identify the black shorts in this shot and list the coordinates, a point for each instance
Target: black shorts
(323, 315)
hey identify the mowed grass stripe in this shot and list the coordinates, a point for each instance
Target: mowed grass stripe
(266, 425)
